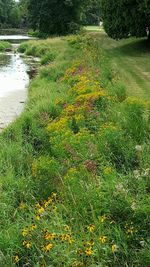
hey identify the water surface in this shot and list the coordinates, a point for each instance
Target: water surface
(14, 81)
(15, 37)
(13, 75)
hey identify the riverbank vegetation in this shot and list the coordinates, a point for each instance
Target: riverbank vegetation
(74, 168)
(4, 46)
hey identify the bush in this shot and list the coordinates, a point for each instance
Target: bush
(4, 45)
(50, 57)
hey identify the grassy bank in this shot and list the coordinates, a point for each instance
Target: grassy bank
(74, 168)
(4, 45)
(131, 58)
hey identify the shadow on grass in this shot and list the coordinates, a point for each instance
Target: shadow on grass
(133, 48)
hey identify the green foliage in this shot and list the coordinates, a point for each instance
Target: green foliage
(49, 57)
(91, 14)
(125, 18)
(4, 45)
(55, 17)
(120, 91)
(9, 14)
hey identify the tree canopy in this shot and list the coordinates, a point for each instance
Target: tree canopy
(91, 13)
(55, 16)
(5, 10)
(11, 12)
(124, 18)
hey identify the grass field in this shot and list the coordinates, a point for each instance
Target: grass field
(131, 58)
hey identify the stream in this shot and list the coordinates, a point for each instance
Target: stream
(14, 82)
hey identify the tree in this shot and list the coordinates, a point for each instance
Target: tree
(23, 10)
(91, 14)
(5, 8)
(9, 13)
(14, 17)
(124, 18)
(55, 16)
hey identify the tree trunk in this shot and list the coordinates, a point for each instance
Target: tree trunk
(148, 35)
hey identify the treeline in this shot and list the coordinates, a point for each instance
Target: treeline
(13, 14)
(92, 13)
(123, 19)
(62, 16)
(49, 16)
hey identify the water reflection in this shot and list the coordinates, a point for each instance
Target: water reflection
(13, 87)
(15, 37)
(13, 75)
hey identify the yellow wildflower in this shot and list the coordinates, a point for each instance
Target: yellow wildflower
(114, 248)
(38, 205)
(108, 170)
(103, 239)
(88, 252)
(27, 244)
(90, 97)
(49, 236)
(102, 218)
(66, 237)
(25, 232)
(54, 195)
(112, 222)
(21, 205)
(50, 200)
(91, 228)
(38, 217)
(90, 243)
(33, 227)
(16, 259)
(41, 210)
(130, 230)
(67, 228)
(47, 247)
(46, 204)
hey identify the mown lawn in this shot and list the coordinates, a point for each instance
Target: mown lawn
(93, 28)
(131, 58)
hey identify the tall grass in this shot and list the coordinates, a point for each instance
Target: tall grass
(74, 168)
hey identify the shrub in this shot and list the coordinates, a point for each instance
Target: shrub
(50, 57)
